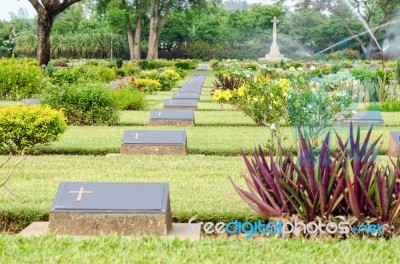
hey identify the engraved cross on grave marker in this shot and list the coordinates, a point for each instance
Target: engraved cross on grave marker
(136, 135)
(159, 113)
(80, 193)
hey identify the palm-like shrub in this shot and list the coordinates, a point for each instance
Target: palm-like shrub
(227, 82)
(344, 182)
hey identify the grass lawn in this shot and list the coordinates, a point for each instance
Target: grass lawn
(113, 249)
(199, 186)
(208, 140)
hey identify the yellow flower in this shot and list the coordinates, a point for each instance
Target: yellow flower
(284, 83)
(226, 95)
(217, 95)
(242, 90)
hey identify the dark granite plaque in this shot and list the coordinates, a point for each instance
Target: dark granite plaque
(187, 104)
(154, 137)
(154, 142)
(111, 197)
(123, 208)
(189, 90)
(186, 96)
(202, 67)
(360, 118)
(172, 114)
(30, 101)
(194, 84)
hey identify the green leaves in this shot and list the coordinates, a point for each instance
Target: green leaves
(24, 127)
(348, 182)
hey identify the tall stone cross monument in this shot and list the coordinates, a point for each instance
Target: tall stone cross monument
(274, 54)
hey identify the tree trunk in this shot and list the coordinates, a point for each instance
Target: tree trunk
(45, 23)
(137, 50)
(131, 41)
(153, 36)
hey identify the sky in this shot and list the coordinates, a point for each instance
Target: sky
(7, 6)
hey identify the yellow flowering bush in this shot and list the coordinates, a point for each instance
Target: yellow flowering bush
(24, 127)
(261, 98)
(171, 74)
(147, 85)
(19, 78)
(223, 96)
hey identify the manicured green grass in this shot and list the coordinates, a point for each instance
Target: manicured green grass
(202, 118)
(208, 140)
(199, 185)
(113, 249)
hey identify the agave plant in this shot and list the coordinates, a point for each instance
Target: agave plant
(331, 184)
(226, 82)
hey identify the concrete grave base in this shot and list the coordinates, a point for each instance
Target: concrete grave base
(171, 122)
(153, 150)
(182, 231)
(394, 144)
(89, 224)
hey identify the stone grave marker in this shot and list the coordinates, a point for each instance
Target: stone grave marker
(172, 118)
(30, 101)
(190, 90)
(394, 144)
(123, 208)
(186, 96)
(154, 142)
(180, 104)
(359, 118)
(202, 67)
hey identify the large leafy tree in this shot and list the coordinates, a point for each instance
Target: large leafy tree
(159, 12)
(127, 12)
(374, 13)
(47, 11)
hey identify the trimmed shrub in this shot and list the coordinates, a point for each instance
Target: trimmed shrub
(19, 78)
(89, 73)
(119, 63)
(129, 99)
(171, 74)
(147, 85)
(84, 105)
(22, 128)
(98, 74)
(186, 64)
(346, 54)
(66, 76)
(165, 82)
